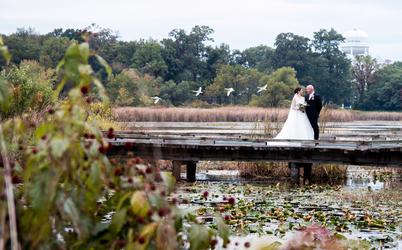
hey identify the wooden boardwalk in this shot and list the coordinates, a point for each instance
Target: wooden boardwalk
(189, 149)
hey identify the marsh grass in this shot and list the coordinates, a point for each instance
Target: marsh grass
(261, 170)
(240, 114)
(281, 169)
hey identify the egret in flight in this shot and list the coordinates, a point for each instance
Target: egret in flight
(263, 88)
(198, 92)
(229, 91)
(156, 99)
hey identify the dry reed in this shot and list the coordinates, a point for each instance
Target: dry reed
(239, 114)
(281, 169)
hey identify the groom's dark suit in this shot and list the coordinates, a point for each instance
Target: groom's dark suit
(313, 109)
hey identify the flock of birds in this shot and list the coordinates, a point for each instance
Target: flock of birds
(198, 92)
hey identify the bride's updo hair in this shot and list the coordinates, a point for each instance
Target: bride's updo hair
(297, 90)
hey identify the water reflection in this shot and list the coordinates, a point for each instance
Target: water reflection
(357, 177)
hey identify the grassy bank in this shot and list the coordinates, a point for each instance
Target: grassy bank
(239, 114)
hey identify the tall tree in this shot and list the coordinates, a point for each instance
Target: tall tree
(332, 68)
(260, 57)
(24, 44)
(243, 80)
(214, 58)
(148, 58)
(364, 72)
(294, 51)
(185, 54)
(281, 84)
(385, 92)
(52, 51)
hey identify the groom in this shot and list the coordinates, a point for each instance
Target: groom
(313, 109)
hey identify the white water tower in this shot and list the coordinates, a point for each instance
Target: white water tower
(356, 43)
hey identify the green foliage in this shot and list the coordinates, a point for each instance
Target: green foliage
(187, 57)
(178, 94)
(331, 68)
(52, 51)
(243, 80)
(185, 54)
(281, 84)
(24, 45)
(294, 51)
(130, 88)
(148, 59)
(385, 92)
(364, 72)
(72, 196)
(31, 87)
(4, 51)
(102, 115)
(259, 57)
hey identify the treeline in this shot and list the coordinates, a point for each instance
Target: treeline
(174, 67)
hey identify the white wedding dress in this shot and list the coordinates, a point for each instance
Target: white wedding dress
(297, 125)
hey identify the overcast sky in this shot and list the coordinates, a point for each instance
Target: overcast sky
(240, 24)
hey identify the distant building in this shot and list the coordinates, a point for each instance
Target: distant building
(356, 43)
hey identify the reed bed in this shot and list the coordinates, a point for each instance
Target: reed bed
(281, 169)
(239, 114)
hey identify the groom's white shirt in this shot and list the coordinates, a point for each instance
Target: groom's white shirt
(311, 95)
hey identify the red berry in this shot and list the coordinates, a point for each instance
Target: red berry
(15, 179)
(227, 217)
(205, 194)
(214, 242)
(51, 111)
(140, 220)
(34, 150)
(148, 170)
(161, 212)
(88, 100)
(231, 200)
(111, 185)
(84, 90)
(118, 171)
(130, 180)
(247, 244)
(141, 240)
(110, 133)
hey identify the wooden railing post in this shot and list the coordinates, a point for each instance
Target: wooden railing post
(191, 170)
(176, 169)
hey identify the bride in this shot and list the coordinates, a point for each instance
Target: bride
(297, 125)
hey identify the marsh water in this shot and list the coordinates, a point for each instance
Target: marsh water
(366, 205)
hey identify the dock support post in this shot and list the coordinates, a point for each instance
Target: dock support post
(191, 170)
(176, 169)
(294, 171)
(307, 171)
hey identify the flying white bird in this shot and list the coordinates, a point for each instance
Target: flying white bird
(156, 99)
(229, 91)
(263, 88)
(198, 92)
